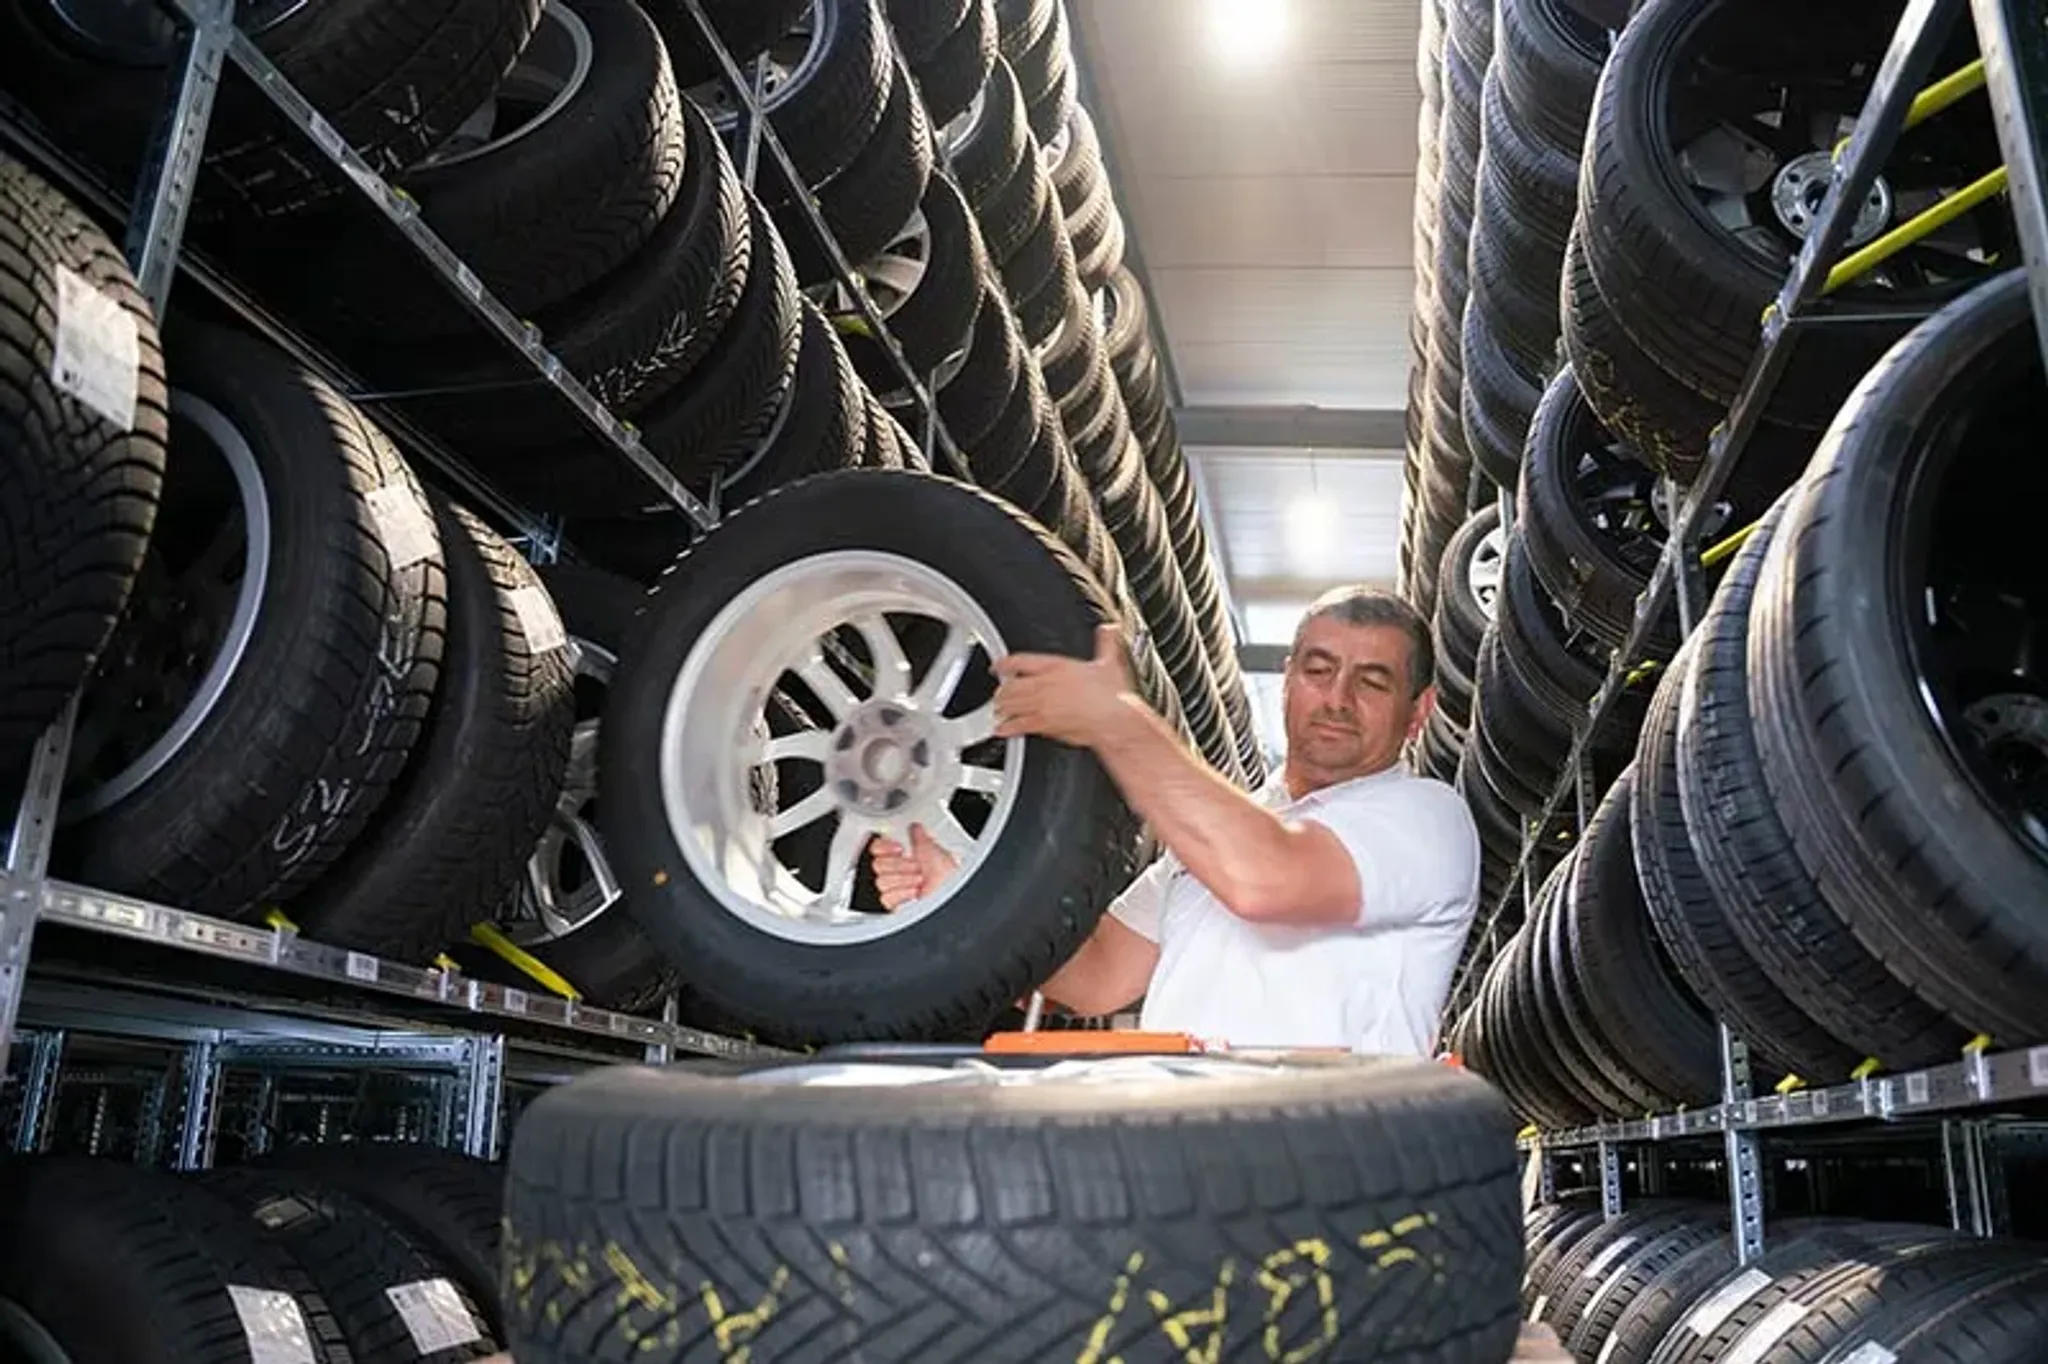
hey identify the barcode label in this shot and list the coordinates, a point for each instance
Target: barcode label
(434, 1315)
(360, 966)
(273, 1325)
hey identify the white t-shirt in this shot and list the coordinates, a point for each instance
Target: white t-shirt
(1376, 986)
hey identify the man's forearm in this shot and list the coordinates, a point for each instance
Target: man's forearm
(1229, 842)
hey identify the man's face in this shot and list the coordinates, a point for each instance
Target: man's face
(1348, 702)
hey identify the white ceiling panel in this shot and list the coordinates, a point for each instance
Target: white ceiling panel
(1315, 221)
(1293, 522)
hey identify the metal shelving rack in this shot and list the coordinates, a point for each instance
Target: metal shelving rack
(383, 998)
(2014, 45)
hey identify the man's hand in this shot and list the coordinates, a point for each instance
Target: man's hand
(905, 874)
(1074, 700)
(1539, 1345)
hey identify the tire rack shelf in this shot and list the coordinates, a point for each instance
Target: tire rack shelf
(2015, 50)
(209, 42)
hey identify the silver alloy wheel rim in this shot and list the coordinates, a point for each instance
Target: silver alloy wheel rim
(818, 29)
(544, 908)
(233, 449)
(1485, 569)
(551, 71)
(893, 756)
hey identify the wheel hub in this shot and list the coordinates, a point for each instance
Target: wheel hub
(883, 760)
(1802, 183)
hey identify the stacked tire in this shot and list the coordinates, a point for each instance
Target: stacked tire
(1755, 832)
(327, 1254)
(1660, 1283)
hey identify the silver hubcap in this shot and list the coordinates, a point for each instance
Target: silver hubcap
(1802, 183)
(1489, 560)
(569, 880)
(857, 680)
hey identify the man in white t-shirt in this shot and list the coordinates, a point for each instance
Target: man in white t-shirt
(1327, 909)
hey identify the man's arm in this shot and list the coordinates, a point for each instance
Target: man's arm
(1263, 868)
(1112, 969)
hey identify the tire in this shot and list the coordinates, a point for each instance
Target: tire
(727, 409)
(452, 1205)
(825, 425)
(935, 321)
(955, 73)
(392, 77)
(1624, 1279)
(320, 702)
(453, 837)
(922, 26)
(560, 203)
(1746, 854)
(1589, 517)
(1549, 57)
(171, 1267)
(604, 955)
(79, 478)
(1903, 836)
(1690, 291)
(1045, 875)
(827, 107)
(868, 204)
(1467, 585)
(1708, 953)
(391, 1296)
(1011, 1230)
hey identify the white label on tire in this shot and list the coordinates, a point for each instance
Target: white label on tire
(434, 1314)
(1870, 1352)
(98, 356)
(1608, 1257)
(538, 619)
(1769, 1329)
(403, 525)
(1536, 1312)
(1731, 1295)
(273, 1324)
(1607, 1350)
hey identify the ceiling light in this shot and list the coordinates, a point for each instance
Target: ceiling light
(1247, 31)
(1312, 524)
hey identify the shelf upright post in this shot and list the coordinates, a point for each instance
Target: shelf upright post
(163, 198)
(483, 1095)
(1739, 1145)
(202, 1105)
(39, 1090)
(1610, 1180)
(2015, 46)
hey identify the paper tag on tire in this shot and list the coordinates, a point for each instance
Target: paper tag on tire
(273, 1325)
(538, 619)
(434, 1314)
(98, 355)
(403, 525)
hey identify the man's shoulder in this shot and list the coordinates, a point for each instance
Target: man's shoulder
(1426, 797)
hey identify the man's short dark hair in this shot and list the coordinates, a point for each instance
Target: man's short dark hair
(1359, 605)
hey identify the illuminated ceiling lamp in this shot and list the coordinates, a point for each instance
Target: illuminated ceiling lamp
(1313, 522)
(1248, 32)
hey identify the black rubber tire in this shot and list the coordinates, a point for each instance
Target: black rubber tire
(922, 26)
(78, 490)
(1575, 1276)
(1995, 1315)
(976, 401)
(867, 204)
(320, 714)
(745, 27)
(393, 77)
(1549, 57)
(1746, 854)
(1709, 955)
(1630, 986)
(1901, 839)
(1574, 549)
(450, 1203)
(1637, 1268)
(391, 1296)
(954, 73)
(826, 426)
(1042, 885)
(1017, 1223)
(824, 117)
(722, 415)
(1688, 290)
(166, 1260)
(608, 959)
(1496, 404)
(453, 836)
(565, 204)
(936, 320)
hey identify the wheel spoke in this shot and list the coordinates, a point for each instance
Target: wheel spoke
(809, 745)
(948, 666)
(988, 781)
(826, 685)
(803, 814)
(842, 863)
(950, 834)
(892, 669)
(977, 726)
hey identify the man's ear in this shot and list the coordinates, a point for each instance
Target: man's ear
(1425, 703)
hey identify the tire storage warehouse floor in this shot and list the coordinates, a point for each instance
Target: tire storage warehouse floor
(504, 502)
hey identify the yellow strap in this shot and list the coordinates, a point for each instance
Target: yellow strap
(1944, 92)
(1977, 1045)
(488, 936)
(1790, 1083)
(444, 962)
(1641, 671)
(1868, 1067)
(277, 920)
(1726, 549)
